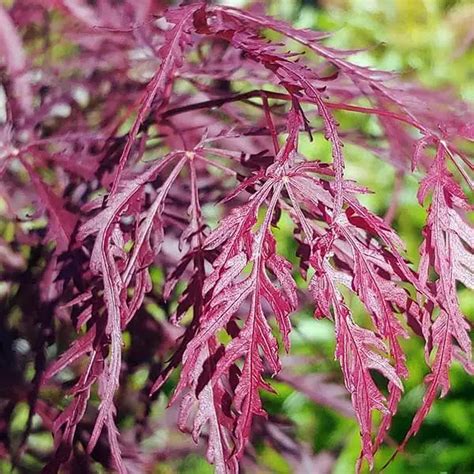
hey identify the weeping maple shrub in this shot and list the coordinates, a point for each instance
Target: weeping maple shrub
(129, 139)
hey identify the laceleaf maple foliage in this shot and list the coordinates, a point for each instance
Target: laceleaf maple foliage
(125, 139)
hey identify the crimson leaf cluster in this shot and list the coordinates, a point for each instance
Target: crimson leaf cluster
(172, 114)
